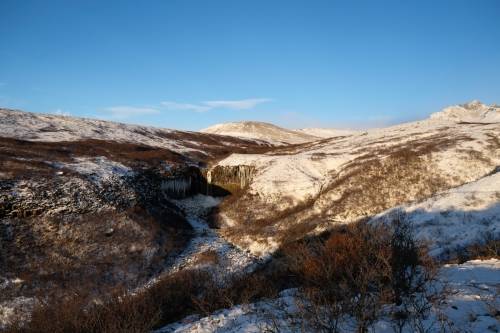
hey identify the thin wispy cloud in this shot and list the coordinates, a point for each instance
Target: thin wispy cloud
(120, 112)
(242, 104)
(124, 111)
(60, 112)
(185, 107)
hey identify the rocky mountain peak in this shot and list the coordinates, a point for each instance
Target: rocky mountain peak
(474, 111)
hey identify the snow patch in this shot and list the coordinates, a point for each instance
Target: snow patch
(98, 169)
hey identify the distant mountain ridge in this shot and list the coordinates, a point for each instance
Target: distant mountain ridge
(261, 131)
(472, 112)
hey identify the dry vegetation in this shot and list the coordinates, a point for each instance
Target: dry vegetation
(401, 177)
(352, 271)
(488, 248)
(81, 269)
(19, 158)
(63, 235)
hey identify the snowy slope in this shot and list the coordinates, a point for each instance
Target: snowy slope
(455, 218)
(305, 171)
(53, 128)
(262, 131)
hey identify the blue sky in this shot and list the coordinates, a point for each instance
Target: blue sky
(190, 64)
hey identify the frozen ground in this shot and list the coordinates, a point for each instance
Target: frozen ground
(98, 169)
(10, 308)
(449, 220)
(472, 304)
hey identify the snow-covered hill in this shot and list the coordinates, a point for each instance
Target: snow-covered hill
(344, 179)
(53, 128)
(261, 131)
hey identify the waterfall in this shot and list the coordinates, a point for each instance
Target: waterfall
(177, 186)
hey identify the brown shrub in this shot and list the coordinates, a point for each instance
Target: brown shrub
(487, 248)
(351, 271)
(168, 300)
(356, 270)
(380, 178)
(171, 298)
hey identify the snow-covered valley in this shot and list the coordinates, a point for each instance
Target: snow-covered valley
(88, 205)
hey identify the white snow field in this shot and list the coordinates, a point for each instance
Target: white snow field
(464, 214)
(304, 170)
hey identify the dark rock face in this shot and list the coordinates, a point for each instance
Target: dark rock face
(71, 226)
